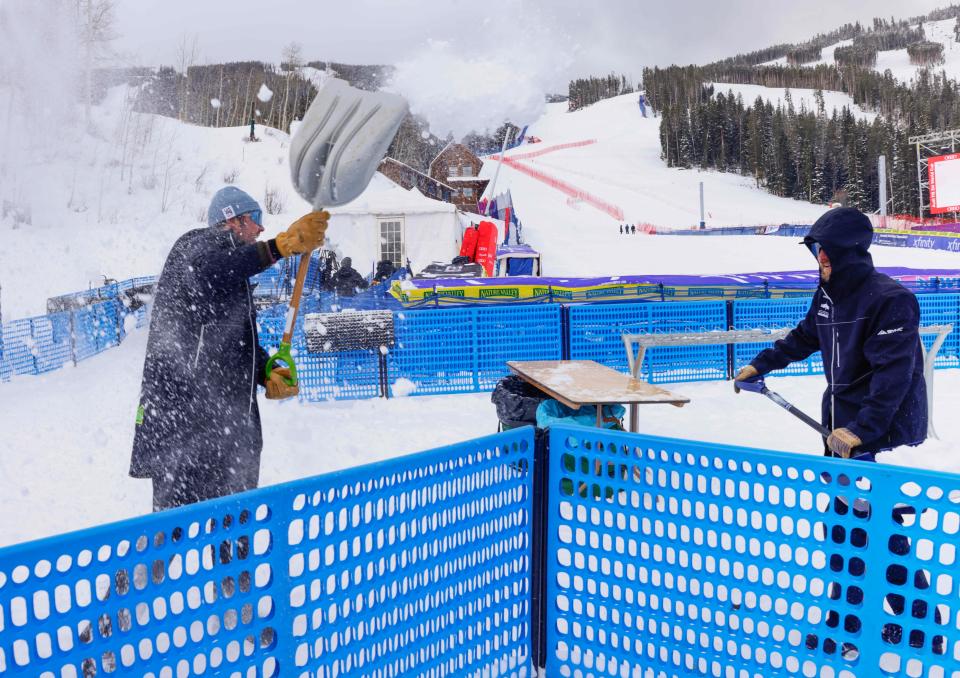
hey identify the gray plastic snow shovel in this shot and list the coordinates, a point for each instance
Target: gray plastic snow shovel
(341, 141)
(333, 155)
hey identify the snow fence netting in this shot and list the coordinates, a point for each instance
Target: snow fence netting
(416, 566)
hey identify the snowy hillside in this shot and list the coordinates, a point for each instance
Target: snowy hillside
(896, 60)
(116, 201)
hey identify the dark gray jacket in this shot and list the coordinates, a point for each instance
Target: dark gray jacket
(198, 400)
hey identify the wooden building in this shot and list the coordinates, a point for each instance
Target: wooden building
(407, 177)
(457, 166)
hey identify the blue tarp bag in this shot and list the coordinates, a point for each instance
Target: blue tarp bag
(554, 412)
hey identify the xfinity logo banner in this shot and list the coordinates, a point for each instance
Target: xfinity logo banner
(925, 242)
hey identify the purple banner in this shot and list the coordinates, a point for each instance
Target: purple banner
(772, 279)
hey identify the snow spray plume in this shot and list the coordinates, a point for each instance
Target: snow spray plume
(494, 80)
(39, 76)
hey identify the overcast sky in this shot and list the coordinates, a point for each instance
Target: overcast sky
(599, 35)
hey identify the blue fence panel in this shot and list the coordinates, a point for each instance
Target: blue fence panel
(771, 314)
(671, 557)
(96, 328)
(942, 309)
(344, 375)
(51, 335)
(596, 331)
(436, 350)
(522, 333)
(415, 566)
(18, 347)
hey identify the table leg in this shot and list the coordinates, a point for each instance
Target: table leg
(633, 417)
(599, 415)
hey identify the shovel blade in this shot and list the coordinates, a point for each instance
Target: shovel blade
(339, 145)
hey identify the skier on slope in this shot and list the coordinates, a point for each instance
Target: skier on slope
(866, 326)
(198, 426)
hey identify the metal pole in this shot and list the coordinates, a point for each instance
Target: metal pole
(919, 185)
(493, 183)
(703, 223)
(882, 179)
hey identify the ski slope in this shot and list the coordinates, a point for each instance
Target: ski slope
(623, 167)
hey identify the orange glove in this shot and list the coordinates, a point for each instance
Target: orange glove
(304, 235)
(277, 388)
(842, 441)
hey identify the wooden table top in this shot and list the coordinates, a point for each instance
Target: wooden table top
(585, 382)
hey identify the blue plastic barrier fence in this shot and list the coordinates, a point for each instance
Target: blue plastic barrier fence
(771, 314)
(45, 343)
(935, 309)
(466, 350)
(671, 557)
(414, 566)
(596, 330)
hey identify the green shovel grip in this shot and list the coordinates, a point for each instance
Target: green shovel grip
(286, 360)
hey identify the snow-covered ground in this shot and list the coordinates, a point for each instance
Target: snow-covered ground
(64, 462)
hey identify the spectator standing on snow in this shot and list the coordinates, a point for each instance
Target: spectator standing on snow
(346, 282)
(866, 325)
(198, 426)
(643, 104)
(633, 228)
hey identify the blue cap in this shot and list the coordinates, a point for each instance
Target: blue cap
(230, 202)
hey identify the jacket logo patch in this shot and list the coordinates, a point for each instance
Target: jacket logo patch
(893, 331)
(823, 314)
(825, 306)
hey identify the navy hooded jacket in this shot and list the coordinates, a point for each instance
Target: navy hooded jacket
(866, 325)
(198, 412)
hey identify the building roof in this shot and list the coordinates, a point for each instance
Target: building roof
(416, 171)
(384, 196)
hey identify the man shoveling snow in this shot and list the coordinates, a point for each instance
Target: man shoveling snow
(866, 325)
(198, 426)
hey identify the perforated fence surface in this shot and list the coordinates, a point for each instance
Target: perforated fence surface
(466, 350)
(44, 343)
(935, 309)
(595, 333)
(410, 567)
(677, 558)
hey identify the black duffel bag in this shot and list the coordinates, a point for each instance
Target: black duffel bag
(516, 402)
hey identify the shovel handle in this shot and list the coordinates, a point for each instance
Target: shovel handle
(283, 353)
(283, 357)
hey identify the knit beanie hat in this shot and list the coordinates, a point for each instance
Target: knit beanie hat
(230, 202)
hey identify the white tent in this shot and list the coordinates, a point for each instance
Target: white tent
(390, 221)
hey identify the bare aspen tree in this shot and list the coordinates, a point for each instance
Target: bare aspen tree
(95, 20)
(293, 58)
(187, 54)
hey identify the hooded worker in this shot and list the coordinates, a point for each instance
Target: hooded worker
(866, 326)
(198, 425)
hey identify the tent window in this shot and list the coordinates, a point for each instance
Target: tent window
(391, 241)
